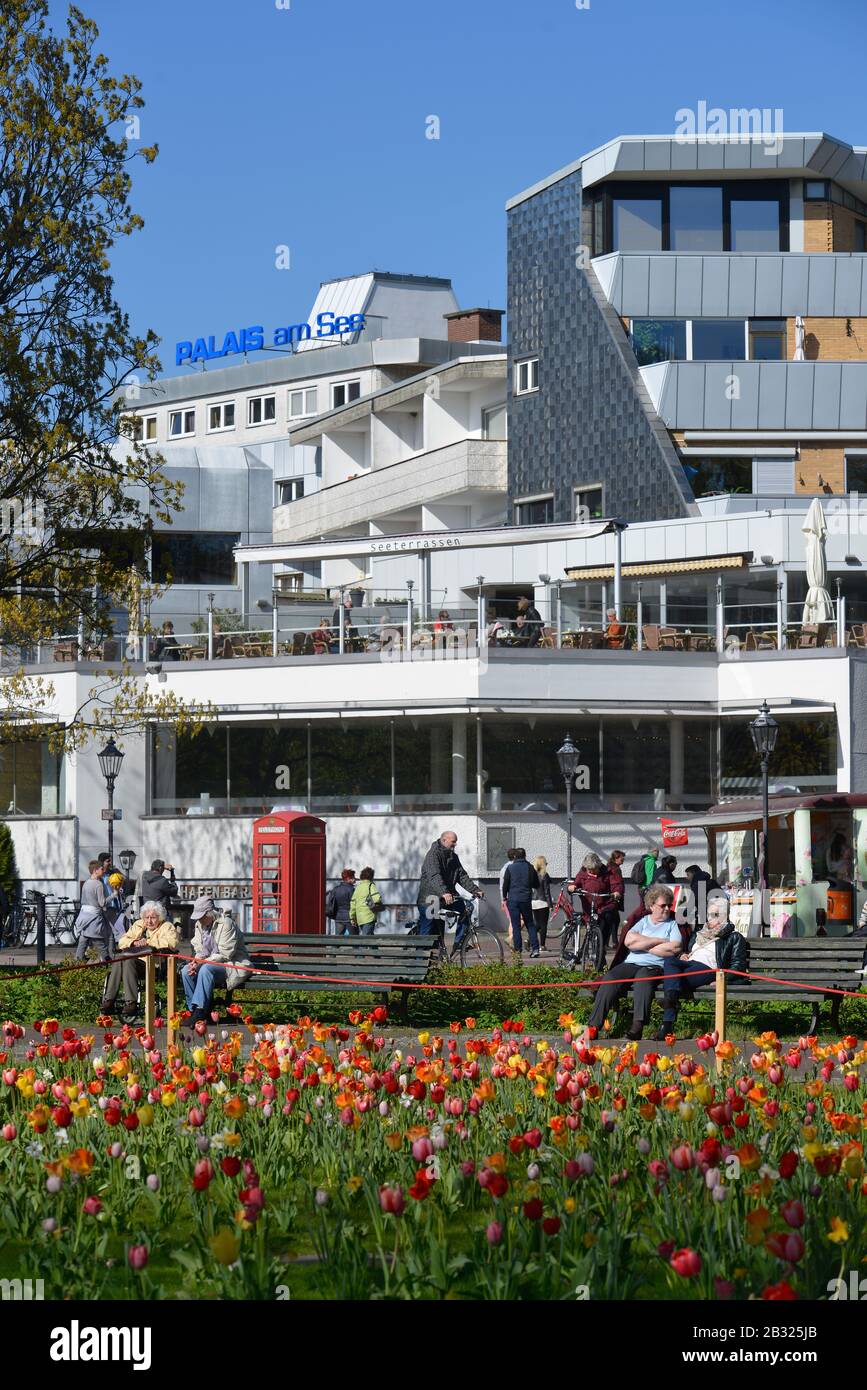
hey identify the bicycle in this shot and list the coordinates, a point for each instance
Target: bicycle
(480, 945)
(60, 916)
(582, 940)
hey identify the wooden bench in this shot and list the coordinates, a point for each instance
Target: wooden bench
(377, 961)
(829, 962)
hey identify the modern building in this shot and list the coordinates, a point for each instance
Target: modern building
(227, 431)
(407, 492)
(688, 317)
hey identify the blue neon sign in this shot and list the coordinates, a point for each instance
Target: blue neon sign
(328, 325)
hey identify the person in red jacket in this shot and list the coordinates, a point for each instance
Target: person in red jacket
(593, 883)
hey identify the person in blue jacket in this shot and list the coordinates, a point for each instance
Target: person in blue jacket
(520, 886)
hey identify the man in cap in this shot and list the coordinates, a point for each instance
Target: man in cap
(155, 887)
(218, 960)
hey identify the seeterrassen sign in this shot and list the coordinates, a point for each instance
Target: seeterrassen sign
(327, 325)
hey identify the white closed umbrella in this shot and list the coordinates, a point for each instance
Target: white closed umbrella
(800, 337)
(817, 605)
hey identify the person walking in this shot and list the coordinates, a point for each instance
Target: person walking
(543, 901)
(654, 939)
(92, 923)
(441, 874)
(644, 868)
(155, 887)
(665, 872)
(219, 958)
(365, 904)
(521, 885)
(337, 902)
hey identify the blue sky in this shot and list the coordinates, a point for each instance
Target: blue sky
(305, 127)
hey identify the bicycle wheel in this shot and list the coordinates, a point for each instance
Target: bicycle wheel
(481, 946)
(568, 957)
(593, 949)
(26, 935)
(64, 928)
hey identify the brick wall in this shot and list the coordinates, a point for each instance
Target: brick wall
(823, 461)
(829, 227)
(829, 340)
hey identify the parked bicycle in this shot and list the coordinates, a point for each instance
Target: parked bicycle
(60, 915)
(582, 940)
(480, 945)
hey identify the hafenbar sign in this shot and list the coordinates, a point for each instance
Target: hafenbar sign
(327, 325)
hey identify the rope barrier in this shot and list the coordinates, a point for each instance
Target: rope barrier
(404, 984)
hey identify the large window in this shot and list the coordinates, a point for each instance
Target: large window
(289, 490)
(707, 476)
(699, 218)
(342, 392)
(221, 416)
(805, 758)
(696, 218)
(754, 224)
(29, 779)
(637, 223)
(856, 473)
(351, 767)
(535, 511)
(659, 340)
(303, 402)
(718, 340)
(589, 503)
(194, 557)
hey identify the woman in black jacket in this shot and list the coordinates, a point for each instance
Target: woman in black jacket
(715, 946)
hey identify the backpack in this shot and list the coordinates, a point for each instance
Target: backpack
(638, 875)
(331, 903)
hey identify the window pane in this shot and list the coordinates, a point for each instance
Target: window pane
(424, 769)
(696, 219)
(310, 402)
(151, 428)
(190, 422)
(659, 340)
(712, 475)
(805, 756)
(229, 414)
(522, 762)
(270, 407)
(194, 557)
(351, 768)
(859, 237)
(185, 769)
(535, 513)
(354, 390)
(768, 340)
(637, 224)
(214, 421)
(257, 757)
(644, 768)
(717, 340)
(588, 504)
(174, 424)
(755, 224)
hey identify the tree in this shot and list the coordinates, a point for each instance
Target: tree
(76, 511)
(10, 883)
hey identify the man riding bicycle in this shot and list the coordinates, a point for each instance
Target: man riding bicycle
(441, 873)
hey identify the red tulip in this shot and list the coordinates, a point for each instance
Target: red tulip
(786, 1245)
(92, 1206)
(203, 1174)
(499, 1185)
(788, 1164)
(682, 1157)
(686, 1263)
(850, 1081)
(62, 1116)
(551, 1225)
(391, 1200)
(792, 1213)
(533, 1138)
(130, 1121)
(533, 1209)
(230, 1165)
(782, 1292)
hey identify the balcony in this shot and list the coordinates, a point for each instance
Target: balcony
(770, 396)
(773, 284)
(471, 466)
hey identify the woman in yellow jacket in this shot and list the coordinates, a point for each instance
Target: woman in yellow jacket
(365, 904)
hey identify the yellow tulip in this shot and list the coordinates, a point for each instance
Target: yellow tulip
(225, 1246)
(200, 1056)
(839, 1232)
(168, 1098)
(424, 1038)
(145, 1115)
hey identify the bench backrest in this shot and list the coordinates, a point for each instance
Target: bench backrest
(346, 957)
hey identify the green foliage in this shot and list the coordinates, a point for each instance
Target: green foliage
(9, 880)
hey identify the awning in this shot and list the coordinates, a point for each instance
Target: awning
(647, 570)
(743, 820)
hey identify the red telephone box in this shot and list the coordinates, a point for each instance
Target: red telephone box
(289, 873)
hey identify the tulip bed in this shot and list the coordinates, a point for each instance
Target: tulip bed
(325, 1161)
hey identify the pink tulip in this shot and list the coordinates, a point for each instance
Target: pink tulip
(792, 1213)
(682, 1157)
(8, 1132)
(196, 1117)
(153, 1182)
(494, 1233)
(392, 1200)
(92, 1206)
(850, 1081)
(138, 1256)
(10, 1076)
(422, 1149)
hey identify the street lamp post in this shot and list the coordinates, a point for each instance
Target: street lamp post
(568, 757)
(764, 730)
(110, 760)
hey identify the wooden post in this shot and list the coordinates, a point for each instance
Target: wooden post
(150, 992)
(171, 994)
(720, 1010)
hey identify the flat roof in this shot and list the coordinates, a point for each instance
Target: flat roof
(812, 154)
